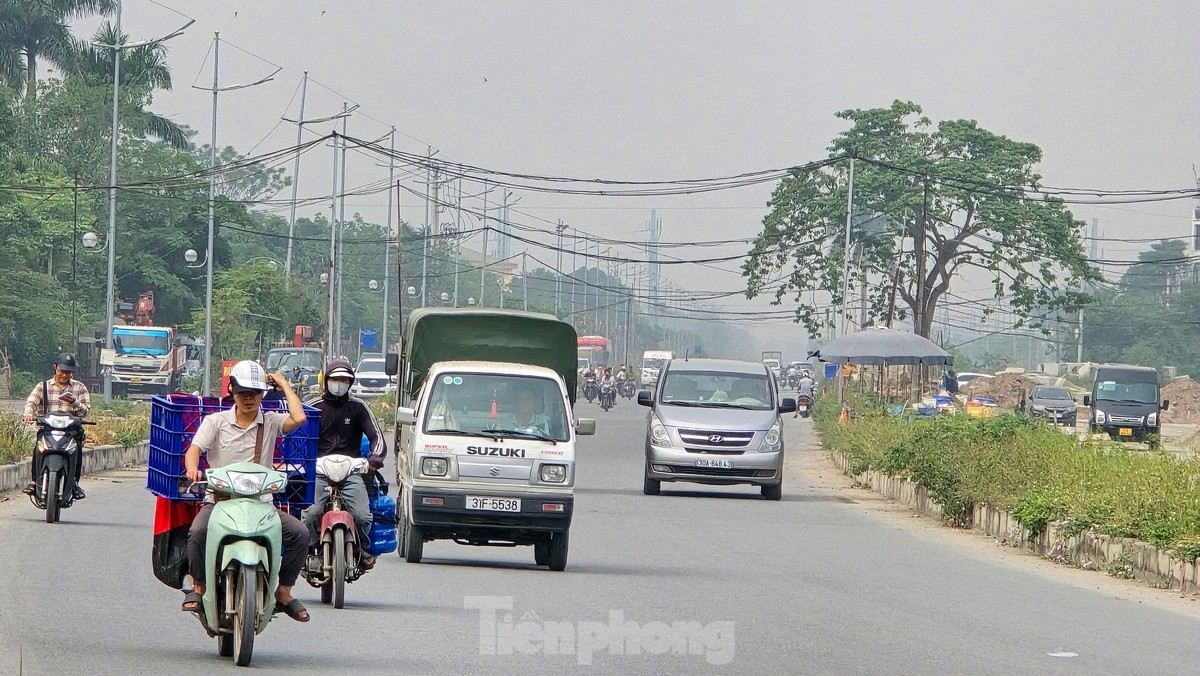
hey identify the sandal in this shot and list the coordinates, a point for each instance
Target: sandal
(367, 563)
(293, 609)
(30, 489)
(193, 602)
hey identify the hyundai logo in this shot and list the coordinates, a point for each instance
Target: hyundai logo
(495, 471)
(715, 438)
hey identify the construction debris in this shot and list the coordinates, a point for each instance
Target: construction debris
(1005, 390)
(1184, 395)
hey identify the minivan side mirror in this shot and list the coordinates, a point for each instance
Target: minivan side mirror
(391, 364)
(405, 416)
(1166, 404)
(585, 426)
(1087, 400)
(645, 398)
(788, 405)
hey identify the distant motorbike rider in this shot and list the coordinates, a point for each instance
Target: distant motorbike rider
(344, 422)
(805, 385)
(64, 394)
(609, 383)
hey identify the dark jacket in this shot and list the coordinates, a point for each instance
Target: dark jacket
(344, 421)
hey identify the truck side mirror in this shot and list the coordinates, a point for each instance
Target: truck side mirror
(585, 426)
(645, 398)
(788, 405)
(391, 364)
(1166, 404)
(1087, 400)
(405, 416)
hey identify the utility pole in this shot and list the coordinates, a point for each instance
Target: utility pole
(430, 215)
(558, 271)
(112, 222)
(525, 279)
(845, 306)
(387, 245)
(341, 248)
(486, 227)
(329, 311)
(287, 263)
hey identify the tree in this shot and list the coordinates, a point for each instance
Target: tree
(39, 29)
(1157, 269)
(955, 191)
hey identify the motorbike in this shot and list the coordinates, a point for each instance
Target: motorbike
(337, 562)
(793, 381)
(627, 389)
(247, 536)
(608, 397)
(590, 389)
(804, 403)
(60, 441)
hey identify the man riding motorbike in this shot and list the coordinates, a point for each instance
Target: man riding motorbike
(805, 385)
(608, 386)
(64, 394)
(344, 422)
(229, 437)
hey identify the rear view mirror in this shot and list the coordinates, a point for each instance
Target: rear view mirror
(1087, 400)
(1166, 404)
(391, 364)
(788, 405)
(645, 398)
(585, 426)
(405, 416)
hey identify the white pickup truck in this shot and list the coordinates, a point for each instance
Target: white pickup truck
(485, 453)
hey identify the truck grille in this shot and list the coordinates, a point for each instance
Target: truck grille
(720, 439)
(373, 382)
(1126, 419)
(721, 471)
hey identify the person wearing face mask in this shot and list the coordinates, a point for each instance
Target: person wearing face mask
(344, 422)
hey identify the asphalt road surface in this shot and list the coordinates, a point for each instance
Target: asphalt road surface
(696, 580)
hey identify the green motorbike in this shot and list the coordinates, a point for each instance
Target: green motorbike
(242, 556)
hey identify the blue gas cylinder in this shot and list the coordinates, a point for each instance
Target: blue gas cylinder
(383, 528)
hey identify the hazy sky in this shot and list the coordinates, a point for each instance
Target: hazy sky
(670, 89)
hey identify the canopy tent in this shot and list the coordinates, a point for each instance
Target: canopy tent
(884, 346)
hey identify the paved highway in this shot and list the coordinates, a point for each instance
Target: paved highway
(816, 583)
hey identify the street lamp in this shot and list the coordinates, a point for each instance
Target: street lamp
(411, 291)
(471, 301)
(373, 285)
(91, 242)
(190, 256)
(445, 297)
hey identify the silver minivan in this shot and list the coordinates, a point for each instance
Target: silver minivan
(715, 421)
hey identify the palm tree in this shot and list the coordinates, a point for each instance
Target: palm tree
(38, 29)
(143, 68)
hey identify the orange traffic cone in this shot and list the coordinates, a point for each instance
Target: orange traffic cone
(844, 416)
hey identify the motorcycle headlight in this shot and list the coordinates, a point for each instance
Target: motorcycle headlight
(247, 483)
(58, 422)
(334, 468)
(553, 474)
(658, 432)
(773, 438)
(434, 466)
(1100, 417)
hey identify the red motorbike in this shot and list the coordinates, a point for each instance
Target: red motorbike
(337, 560)
(804, 404)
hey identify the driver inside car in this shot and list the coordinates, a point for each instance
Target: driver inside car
(524, 415)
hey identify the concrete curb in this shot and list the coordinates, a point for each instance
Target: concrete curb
(1141, 560)
(95, 459)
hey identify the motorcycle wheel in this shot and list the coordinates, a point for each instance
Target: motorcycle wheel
(50, 495)
(339, 568)
(245, 618)
(327, 563)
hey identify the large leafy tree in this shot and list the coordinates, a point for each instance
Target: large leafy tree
(956, 192)
(34, 30)
(1158, 268)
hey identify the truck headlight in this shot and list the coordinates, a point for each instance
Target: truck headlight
(1152, 419)
(553, 474)
(1100, 417)
(773, 440)
(434, 466)
(658, 432)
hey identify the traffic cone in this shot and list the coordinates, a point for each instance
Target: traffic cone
(844, 416)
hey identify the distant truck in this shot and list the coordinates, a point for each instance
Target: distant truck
(652, 363)
(1125, 402)
(596, 349)
(149, 360)
(773, 361)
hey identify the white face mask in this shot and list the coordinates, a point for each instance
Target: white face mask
(338, 389)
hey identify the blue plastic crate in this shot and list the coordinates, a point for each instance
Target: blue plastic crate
(175, 419)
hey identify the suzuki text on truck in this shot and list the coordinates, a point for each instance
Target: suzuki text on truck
(486, 435)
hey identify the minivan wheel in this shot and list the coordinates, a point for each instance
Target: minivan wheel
(773, 492)
(651, 486)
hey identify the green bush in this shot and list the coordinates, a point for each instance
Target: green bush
(23, 382)
(16, 438)
(1024, 465)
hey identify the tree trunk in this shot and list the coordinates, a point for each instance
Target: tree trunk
(30, 76)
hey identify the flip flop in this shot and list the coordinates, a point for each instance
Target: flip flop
(293, 610)
(367, 563)
(193, 597)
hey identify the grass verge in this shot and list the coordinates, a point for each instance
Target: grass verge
(124, 423)
(1037, 472)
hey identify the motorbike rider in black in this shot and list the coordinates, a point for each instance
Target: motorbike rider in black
(344, 421)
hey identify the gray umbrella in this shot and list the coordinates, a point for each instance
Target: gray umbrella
(879, 346)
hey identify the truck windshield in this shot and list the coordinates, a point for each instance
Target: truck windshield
(129, 341)
(1128, 393)
(282, 360)
(653, 363)
(717, 390)
(480, 404)
(370, 366)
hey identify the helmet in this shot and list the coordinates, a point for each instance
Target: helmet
(248, 375)
(339, 368)
(66, 362)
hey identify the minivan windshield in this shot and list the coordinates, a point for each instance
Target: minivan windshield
(370, 366)
(1127, 393)
(496, 405)
(713, 389)
(652, 363)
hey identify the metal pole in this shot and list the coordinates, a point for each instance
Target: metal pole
(212, 219)
(341, 252)
(430, 215)
(332, 254)
(112, 214)
(457, 237)
(287, 263)
(525, 280)
(483, 267)
(574, 267)
(558, 273)
(387, 245)
(846, 253)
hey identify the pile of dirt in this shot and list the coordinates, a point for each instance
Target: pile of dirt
(1005, 389)
(1184, 395)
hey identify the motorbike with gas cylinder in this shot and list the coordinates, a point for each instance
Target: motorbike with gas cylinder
(336, 562)
(241, 557)
(60, 443)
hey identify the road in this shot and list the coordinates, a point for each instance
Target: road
(815, 583)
